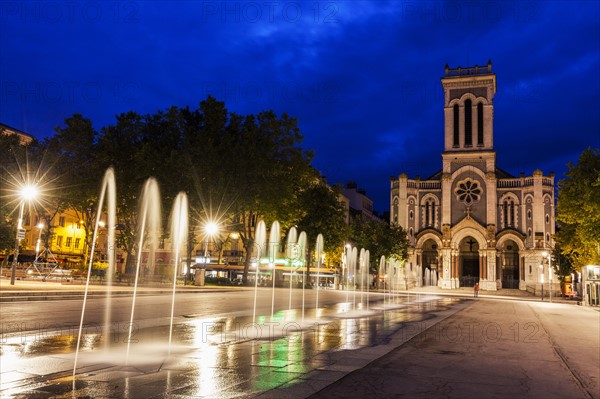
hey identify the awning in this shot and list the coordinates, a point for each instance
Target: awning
(22, 258)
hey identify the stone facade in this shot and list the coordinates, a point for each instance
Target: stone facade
(471, 221)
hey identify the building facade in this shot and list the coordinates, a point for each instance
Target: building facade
(472, 222)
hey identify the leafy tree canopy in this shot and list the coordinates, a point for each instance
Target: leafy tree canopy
(578, 210)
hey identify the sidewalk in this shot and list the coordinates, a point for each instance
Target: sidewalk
(493, 349)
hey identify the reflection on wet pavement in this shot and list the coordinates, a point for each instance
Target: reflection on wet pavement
(222, 357)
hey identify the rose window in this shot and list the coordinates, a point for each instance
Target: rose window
(468, 191)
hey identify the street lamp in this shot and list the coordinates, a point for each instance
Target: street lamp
(542, 280)
(27, 193)
(40, 226)
(210, 229)
(548, 256)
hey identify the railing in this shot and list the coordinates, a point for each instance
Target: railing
(424, 185)
(476, 70)
(430, 185)
(508, 183)
(521, 182)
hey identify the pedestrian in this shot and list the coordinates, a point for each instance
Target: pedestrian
(476, 290)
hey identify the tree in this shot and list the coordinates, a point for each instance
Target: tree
(76, 174)
(245, 169)
(578, 210)
(381, 239)
(321, 212)
(118, 146)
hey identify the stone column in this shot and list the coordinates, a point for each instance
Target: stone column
(445, 277)
(455, 279)
(491, 270)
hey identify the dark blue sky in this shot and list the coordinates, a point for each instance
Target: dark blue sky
(363, 78)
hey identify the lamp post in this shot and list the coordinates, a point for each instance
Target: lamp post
(27, 193)
(210, 229)
(548, 256)
(40, 226)
(542, 280)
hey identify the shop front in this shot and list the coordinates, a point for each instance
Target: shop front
(591, 285)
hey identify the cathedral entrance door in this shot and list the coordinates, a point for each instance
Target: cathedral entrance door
(470, 272)
(469, 262)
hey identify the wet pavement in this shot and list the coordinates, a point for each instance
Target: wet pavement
(416, 345)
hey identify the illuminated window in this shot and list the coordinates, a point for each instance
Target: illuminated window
(61, 221)
(59, 241)
(77, 242)
(68, 242)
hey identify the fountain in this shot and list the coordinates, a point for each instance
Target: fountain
(302, 258)
(272, 252)
(108, 185)
(260, 235)
(147, 237)
(179, 229)
(150, 214)
(367, 262)
(290, 248)
(318, 252)
(148, 234)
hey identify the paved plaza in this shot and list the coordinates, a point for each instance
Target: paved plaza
(421, 344)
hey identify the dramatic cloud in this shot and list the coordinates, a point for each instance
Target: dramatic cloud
(361, 77)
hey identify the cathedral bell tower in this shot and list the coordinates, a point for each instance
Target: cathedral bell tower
(469, 108)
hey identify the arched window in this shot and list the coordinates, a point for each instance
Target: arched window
(511, 219)
(456, 123)
(508, 213)
(468, 124)
(480, 124)
(429, 212)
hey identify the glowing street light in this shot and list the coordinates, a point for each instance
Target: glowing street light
(211, 228)
(28, 193)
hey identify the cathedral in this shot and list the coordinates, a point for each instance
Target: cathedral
(472, 222)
